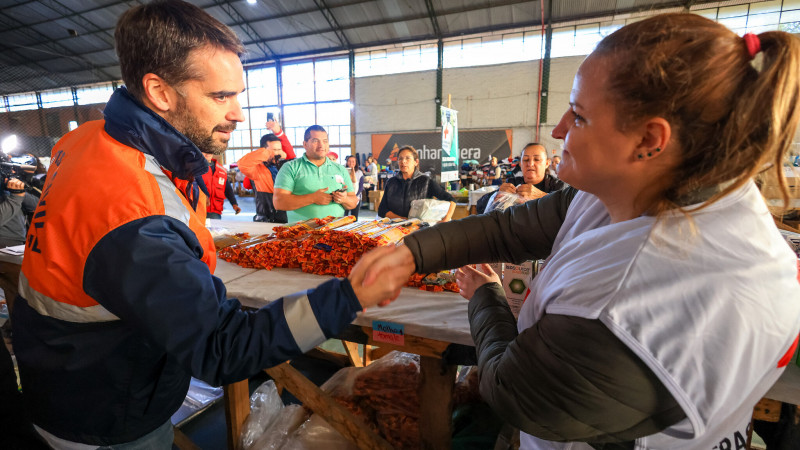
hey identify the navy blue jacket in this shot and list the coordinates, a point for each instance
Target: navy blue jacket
(111, 381)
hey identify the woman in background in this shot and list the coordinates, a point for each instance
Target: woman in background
(408, 185)
(357, 177)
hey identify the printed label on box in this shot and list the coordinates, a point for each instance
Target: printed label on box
(391, 333)
(516, 283)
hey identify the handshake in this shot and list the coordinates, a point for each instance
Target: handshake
(380, 274)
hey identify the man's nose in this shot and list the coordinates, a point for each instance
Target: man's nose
(235, 114)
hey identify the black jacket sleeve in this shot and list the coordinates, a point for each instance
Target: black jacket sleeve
(229, 193)
(517, 234)
(565, 378)
(436, 190)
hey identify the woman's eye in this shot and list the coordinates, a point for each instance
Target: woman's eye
(577, 117)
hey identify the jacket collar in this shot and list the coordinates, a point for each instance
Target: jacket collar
(131, 123)
(414, 175)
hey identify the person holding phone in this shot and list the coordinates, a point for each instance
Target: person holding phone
(262, 165)
(313, 185)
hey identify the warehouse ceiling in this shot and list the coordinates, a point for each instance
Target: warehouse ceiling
(48, 44)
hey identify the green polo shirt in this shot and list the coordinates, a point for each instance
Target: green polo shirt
(301, 176)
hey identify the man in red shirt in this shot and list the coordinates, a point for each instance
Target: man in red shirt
(219, 188)
(261, 166)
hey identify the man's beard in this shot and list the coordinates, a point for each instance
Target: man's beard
(188, 125)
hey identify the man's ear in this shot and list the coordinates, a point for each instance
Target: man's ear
(158, 95)
(656, 133)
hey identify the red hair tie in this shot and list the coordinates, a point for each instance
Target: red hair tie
(753, 44)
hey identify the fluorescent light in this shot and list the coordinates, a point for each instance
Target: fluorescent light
(252, 2)
(9, 144)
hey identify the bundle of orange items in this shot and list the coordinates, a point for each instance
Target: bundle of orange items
(329, 246)
(434, 282)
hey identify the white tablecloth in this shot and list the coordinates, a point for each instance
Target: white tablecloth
(433, 315)
(475, 195)
(441, 315)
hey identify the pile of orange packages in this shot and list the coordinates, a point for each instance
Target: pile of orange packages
(329, 246)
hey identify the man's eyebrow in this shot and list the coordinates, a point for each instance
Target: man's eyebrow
(225, 93)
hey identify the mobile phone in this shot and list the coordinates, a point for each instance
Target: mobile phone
(270, 116)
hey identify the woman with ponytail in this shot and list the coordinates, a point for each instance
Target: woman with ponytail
(669, 303)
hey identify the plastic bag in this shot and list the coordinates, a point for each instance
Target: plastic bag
(429, 210)
(503, 200)
(316, 434)
(466, 389)
(278, 434)
(385, 395)
(265, 407)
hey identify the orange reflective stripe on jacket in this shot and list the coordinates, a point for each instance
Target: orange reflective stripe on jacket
(94, 185)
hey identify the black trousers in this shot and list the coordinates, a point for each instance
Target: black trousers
(16, 429)
(265, 209)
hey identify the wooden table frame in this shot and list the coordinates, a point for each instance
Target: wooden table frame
(438, 361)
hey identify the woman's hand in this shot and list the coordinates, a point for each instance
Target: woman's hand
(529, 192)
(507, 187)
(470, 279)
(380, 274)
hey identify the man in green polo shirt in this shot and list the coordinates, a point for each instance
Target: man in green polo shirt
(312, 185)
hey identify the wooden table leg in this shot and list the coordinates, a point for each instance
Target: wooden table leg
(352, 352)
(335, 414)
(436, 403)
(237, 408)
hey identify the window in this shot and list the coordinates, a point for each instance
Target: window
(319, 93)
(298, 83)
(60, 97)
(88, 95)
(412, 58)
(21, 102)
(493, 49)
(262, 87)
(333, 79)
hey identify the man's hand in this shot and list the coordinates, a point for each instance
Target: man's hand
(401, 261)
(391, 279)
(321, 197)
(17, 185)
(470, 279)
(529, 192)
(237, 209)
(339, 197)
(273, 126)
(507, 187)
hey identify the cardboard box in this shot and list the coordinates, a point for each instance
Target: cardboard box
(516, 283)
(375, 198)
(460, 212)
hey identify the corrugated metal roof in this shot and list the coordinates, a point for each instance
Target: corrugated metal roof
(53, 43)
